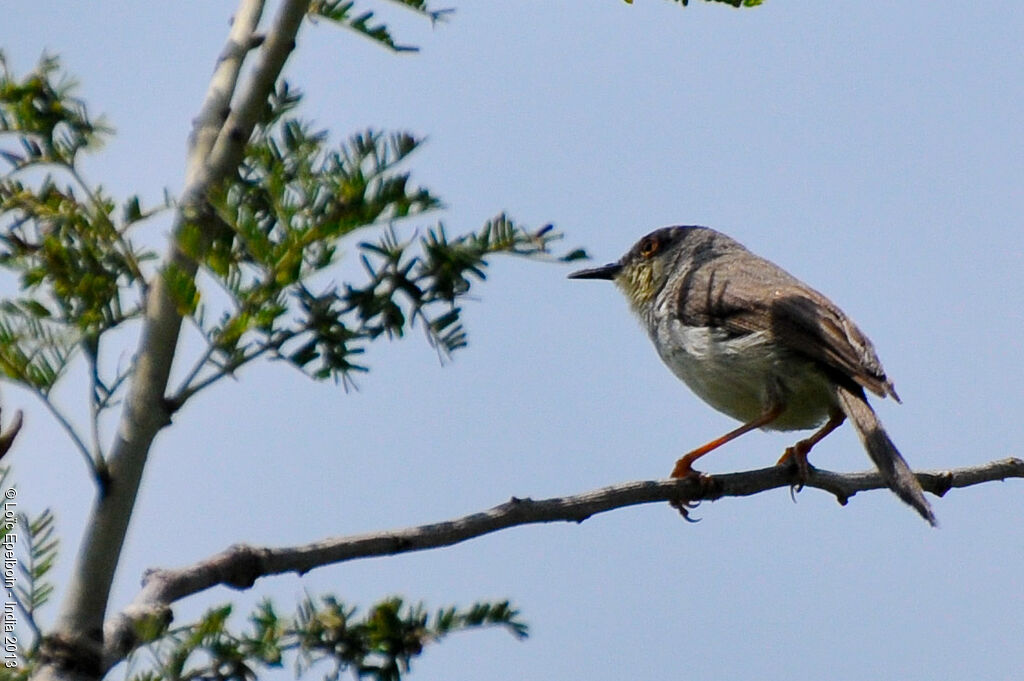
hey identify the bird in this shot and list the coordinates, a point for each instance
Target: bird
(756, 343)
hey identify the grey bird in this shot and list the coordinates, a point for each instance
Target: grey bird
(756, 343)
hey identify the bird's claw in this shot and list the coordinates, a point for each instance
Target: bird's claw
(705, 484)
(796, 457)
(684, 508)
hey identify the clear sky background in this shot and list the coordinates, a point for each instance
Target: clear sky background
(874, 150)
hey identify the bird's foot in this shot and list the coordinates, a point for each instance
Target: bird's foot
(705, 486)
(796, 456)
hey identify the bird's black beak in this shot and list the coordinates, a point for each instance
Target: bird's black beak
(605, 272)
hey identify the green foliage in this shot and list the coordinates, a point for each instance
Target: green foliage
(342, 12)
(34, 542)
(34, 348)
(327, 633)
(71, 251)
(423, 8)
(268, 238)
(285, 219)
(281, 223)
(65, 241)
(52, 125)
(39, 553)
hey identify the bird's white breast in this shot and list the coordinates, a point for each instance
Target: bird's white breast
(739, 376)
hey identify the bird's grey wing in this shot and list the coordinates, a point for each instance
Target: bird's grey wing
(767, 298)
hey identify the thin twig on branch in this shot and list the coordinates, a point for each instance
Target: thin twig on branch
(241, 565)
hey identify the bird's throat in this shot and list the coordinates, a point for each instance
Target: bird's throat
(638, 283)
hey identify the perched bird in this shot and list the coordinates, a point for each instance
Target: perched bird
(756, 343)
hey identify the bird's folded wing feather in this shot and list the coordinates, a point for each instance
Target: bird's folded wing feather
(767, 298)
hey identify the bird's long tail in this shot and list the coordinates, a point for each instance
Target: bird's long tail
(883, 452)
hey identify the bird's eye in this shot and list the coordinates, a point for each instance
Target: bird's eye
(649, 246)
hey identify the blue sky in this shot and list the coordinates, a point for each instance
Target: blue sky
(875, 151)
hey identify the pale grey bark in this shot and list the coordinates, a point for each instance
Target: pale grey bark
(73, 649)
(241, 565)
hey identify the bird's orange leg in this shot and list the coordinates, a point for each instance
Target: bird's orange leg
(683, 467)
(800, 450)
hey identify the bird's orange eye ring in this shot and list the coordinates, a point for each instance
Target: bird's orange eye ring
(649, 246)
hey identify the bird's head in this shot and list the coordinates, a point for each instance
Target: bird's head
(642, 271)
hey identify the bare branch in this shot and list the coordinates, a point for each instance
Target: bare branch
(196, 384)
(241, 565)
(193, 374)
(74, 649)
(228, 149)
(217, 102)
(72, 433)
